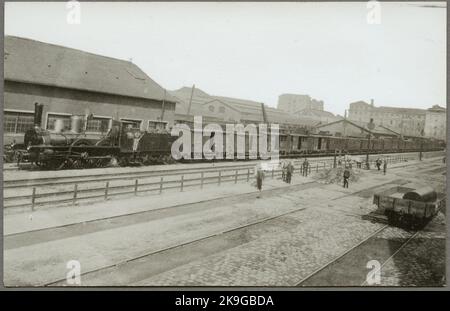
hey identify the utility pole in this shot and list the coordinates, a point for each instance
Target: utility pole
(190, 100)
(264, 113)
(163, 106)
(334, 159)
(370, 126)
(421, 148)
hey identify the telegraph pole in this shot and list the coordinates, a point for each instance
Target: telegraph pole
(190, 100)
(370, 126)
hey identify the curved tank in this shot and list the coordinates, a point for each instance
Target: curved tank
(425, 194)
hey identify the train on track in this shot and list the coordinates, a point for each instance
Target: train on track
(124, 145)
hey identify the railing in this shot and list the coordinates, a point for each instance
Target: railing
(178, 182)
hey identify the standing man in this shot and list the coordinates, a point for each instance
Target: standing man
(136, 138)
(259, 175)
(305, 166)
(378, 163)
(289, 171)
(346, 177)
(283, 170)
(384, 166)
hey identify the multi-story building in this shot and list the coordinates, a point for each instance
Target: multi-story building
(305, 107)
(73, 82)
(295, 102)
(436, 122)
(406, 121)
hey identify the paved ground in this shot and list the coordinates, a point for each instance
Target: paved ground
(230, 238)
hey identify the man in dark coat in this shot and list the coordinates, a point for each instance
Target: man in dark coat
(346, 177)
(289, 171)
(305, 167)
(378, 163)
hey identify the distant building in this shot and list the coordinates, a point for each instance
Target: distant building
(295, 102)
(321, 116)
(228, 109)
(303, 106)
(73, 82)
(436, 122)
(406, 121)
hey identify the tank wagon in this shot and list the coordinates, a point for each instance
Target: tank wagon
(409, 208)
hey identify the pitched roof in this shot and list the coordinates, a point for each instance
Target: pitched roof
(315, 113)
(378, 130)
(389, 109)
(400, 110)
(42, 63)
(436, 108)
(249, 110)
(183, 96)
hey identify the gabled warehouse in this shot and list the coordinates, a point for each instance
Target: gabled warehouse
(73, 82)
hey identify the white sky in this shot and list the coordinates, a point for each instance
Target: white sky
(258, 51)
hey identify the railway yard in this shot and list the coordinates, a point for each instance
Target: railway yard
(204, 225)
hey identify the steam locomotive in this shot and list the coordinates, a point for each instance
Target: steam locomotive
(60, 149)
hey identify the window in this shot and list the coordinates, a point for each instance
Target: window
(17, 122)
(98, 124)
(134, 124)
(156, 125)
(52, 117)
(222, 109)
(211, 108)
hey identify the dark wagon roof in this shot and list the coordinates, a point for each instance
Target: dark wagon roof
(37, 62)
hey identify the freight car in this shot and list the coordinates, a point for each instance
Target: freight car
(312, 144)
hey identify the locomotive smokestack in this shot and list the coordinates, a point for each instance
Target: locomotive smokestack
(38, 114)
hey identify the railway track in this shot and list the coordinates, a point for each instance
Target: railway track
(31, 181)
(56, 192)
(62, 281)
(351, 267)
(64, 180)
(208, 239)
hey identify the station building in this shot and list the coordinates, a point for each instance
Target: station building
(72, 82)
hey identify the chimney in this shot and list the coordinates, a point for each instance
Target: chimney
(38, 108)
(371, 102)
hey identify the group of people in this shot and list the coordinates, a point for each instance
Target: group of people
(288, 170)
(380, 162)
